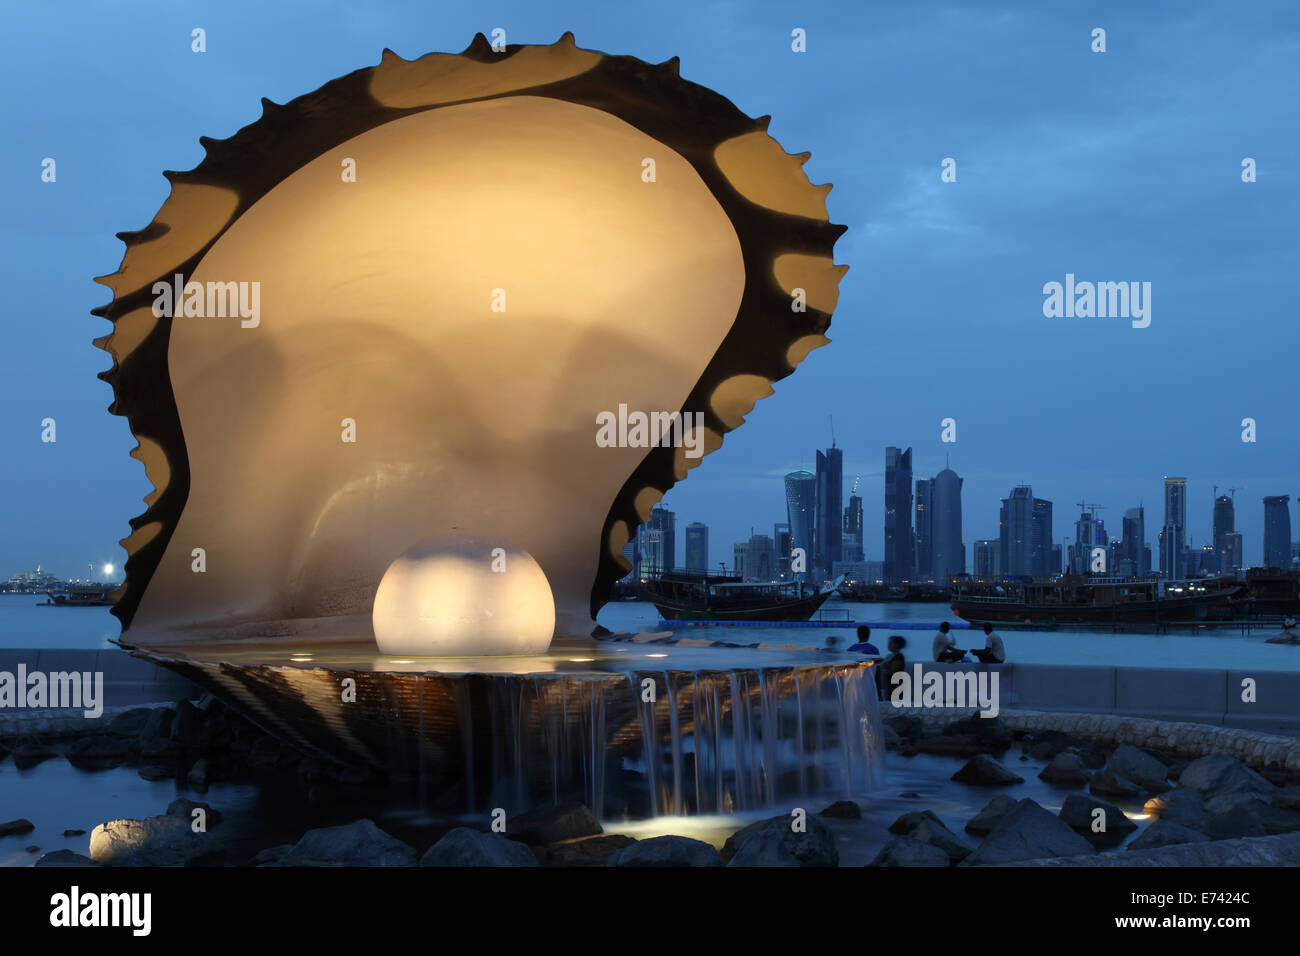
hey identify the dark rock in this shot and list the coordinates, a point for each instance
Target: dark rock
(909, 821)
(157, 771)
(198, 776)
(100, 751)
(935, 834)
(32, 849)
(553, 824)
(1246, 814)
(983, 771)
(1065, 770)
(890, 738)
(1166, 833)
(1218, 774)
(843, 810)
(184, 808)
(1046, 744)
(905, 851)
(665, 851)
(1109, 784)
(68, 833)
(359, 843)
(64, 858)
(464, 846)
(1079, 813)
(905, 726)
(1028, 833)
(984, 822)
(29, 752)
(907, 749)
(959, 746)
(1287, 798)
(1132, 763)
(1160, 755)
(988, 732)
(910, 795)
(774, 842)
(589, 851)
(265, 752)
(272, 854)
(130, 723)
(1181, 805)
(187, 727)
(16, 827)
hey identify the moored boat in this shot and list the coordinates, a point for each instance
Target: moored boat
(701, 596)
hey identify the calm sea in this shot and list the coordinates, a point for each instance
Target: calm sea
(24, 624)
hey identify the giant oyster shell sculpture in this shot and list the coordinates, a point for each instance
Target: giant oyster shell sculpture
(463, 259)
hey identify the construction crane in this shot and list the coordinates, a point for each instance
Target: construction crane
(1094, 508)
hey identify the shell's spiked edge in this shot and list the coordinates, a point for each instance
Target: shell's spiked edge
(786, 240)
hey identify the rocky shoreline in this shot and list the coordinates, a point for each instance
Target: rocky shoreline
(1210, 807)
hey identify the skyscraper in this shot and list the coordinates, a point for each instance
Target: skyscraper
(899, 543)
(853, 550)
(781, 538)
(986, 559)
(830, 507)
(1277, 532)
(924, 528)
(758, 562)
(1134, 542)
(947, 550)
(657, 541)
(697, 546)
(1025, 534)
(1173, 536)
(1225, 523)
(800, 508)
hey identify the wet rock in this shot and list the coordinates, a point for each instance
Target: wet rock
(774, 842)
(909, 821)
(905, 851)
(198, 777)
(907, 749)
(887, 734)
(1132, 763)
(72, 833)
(910, 795)
(16, 827)
(1246, 814)
(906, 727)
(1287, 798)
(272, 854)
(100, 751)
(1217, 774)
(589, 851)
(464, 846)
(29, 752)
(64, 858)
(157, 771)
(184, 808)
(983, 771)
(1028, 833)
(988, 733)
(843, 810)
(32, 849)
(130, 723)
(984, 822)
(166, 840)
(1166, 833)
(1065, 770)
(1046, 744)
(187, 727)
(1160, 755)
(666, 851)
(1182, 805)
(553, 824)
(1080, 814)
(359, 843)
(935, 834)
(1109, 784)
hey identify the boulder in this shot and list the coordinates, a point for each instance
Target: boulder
(984, 822)
(887, 734)
(1080, 814)
(1065, 770)
(1110, 784)
(1182, 805)
(1217, 774)
(905, 851)
(1166, 833)
(1028, 833)
(1287, 798)
(1046, 744)
(184, 808)
(166, 840)
(359, 843)
(272, 854)
(983, 771)
(130, 723)
(71, 833)
(553, 824)
(1133, 763)
(100, 751)
(588, 851)
(909, 821)
(187, 727)
(16, 827)
(198, 777)
(843, 810)
(935, 834)
(464, 846)
(906, 727)
(774, 842)
(987, 732)
(28, 752)
(156, 737)
(64, 858)
(1246, 814)
(665, 851)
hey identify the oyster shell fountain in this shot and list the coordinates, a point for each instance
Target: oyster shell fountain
(391, 312)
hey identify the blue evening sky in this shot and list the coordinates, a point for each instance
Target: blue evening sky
(1117, 166)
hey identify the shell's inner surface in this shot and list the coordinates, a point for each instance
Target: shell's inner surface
(380, 303)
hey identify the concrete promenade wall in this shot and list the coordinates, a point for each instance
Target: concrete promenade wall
(1198, 696)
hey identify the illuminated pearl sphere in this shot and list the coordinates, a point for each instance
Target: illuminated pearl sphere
(461, 596)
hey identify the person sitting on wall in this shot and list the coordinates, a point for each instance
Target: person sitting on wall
(864, 645)
(993, 651)
(892, 663)
(946, 650)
